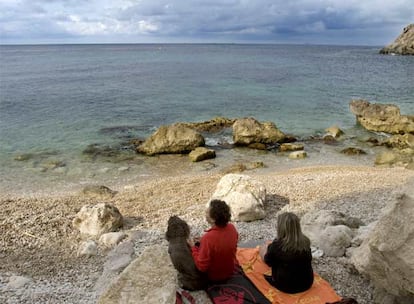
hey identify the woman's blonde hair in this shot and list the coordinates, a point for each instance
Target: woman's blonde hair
(290, 234)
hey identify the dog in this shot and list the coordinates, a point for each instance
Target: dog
(189, 276)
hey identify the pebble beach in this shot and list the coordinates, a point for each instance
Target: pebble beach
(39, 243)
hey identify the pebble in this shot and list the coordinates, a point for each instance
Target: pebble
(88, 248)
(111, 239)
(16, 282)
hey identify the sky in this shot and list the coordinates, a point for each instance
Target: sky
(344, 22)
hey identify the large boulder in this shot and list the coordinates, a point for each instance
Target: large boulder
(403, 45)
(95, 220)
(386, 256)
(334, 240)
(150, 278)
(244, 195)
(381, 117)
(247, 131)
(172, 139)
(329, 230)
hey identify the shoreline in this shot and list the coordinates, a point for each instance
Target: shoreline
(41, 178)
(39, 242)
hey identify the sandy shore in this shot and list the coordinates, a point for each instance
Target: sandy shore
(37, 239)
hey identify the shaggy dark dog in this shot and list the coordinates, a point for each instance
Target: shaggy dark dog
(188, 275)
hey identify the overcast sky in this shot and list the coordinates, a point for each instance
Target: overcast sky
(350, 22)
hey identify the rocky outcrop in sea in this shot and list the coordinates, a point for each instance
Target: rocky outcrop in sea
(381, 117)
(403, 45)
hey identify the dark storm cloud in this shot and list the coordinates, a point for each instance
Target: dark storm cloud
(225, 20)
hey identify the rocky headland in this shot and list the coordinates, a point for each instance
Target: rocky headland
(403, 44)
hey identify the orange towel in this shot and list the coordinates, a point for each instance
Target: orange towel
(254, 268)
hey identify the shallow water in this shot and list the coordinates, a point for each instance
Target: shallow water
(35, 177)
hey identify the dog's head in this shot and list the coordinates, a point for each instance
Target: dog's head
(177, 228)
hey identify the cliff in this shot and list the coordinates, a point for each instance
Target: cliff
(403, 45)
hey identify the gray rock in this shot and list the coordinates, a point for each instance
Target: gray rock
(329, 230)
(316, 252)
(150, 279)
(362, 233)
(98, 219)
(125, 248)
(120, 263)
(335, 239)
(88, 248)
(116, 261)
(111, 239)
(386, 256)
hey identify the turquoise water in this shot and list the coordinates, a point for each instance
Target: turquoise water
(56, 100)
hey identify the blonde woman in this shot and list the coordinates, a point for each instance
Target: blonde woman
(289, 256)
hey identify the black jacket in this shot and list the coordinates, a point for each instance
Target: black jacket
(291, 271)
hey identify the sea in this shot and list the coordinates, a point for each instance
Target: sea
(68, 112)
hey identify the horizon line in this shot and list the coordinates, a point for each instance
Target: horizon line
(186, 43)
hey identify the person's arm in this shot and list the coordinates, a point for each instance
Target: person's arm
(201, 254)
(269, 257)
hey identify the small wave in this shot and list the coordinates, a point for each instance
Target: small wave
(219, 141)
(123, 129)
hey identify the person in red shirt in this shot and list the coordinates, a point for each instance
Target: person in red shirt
(215, 254)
